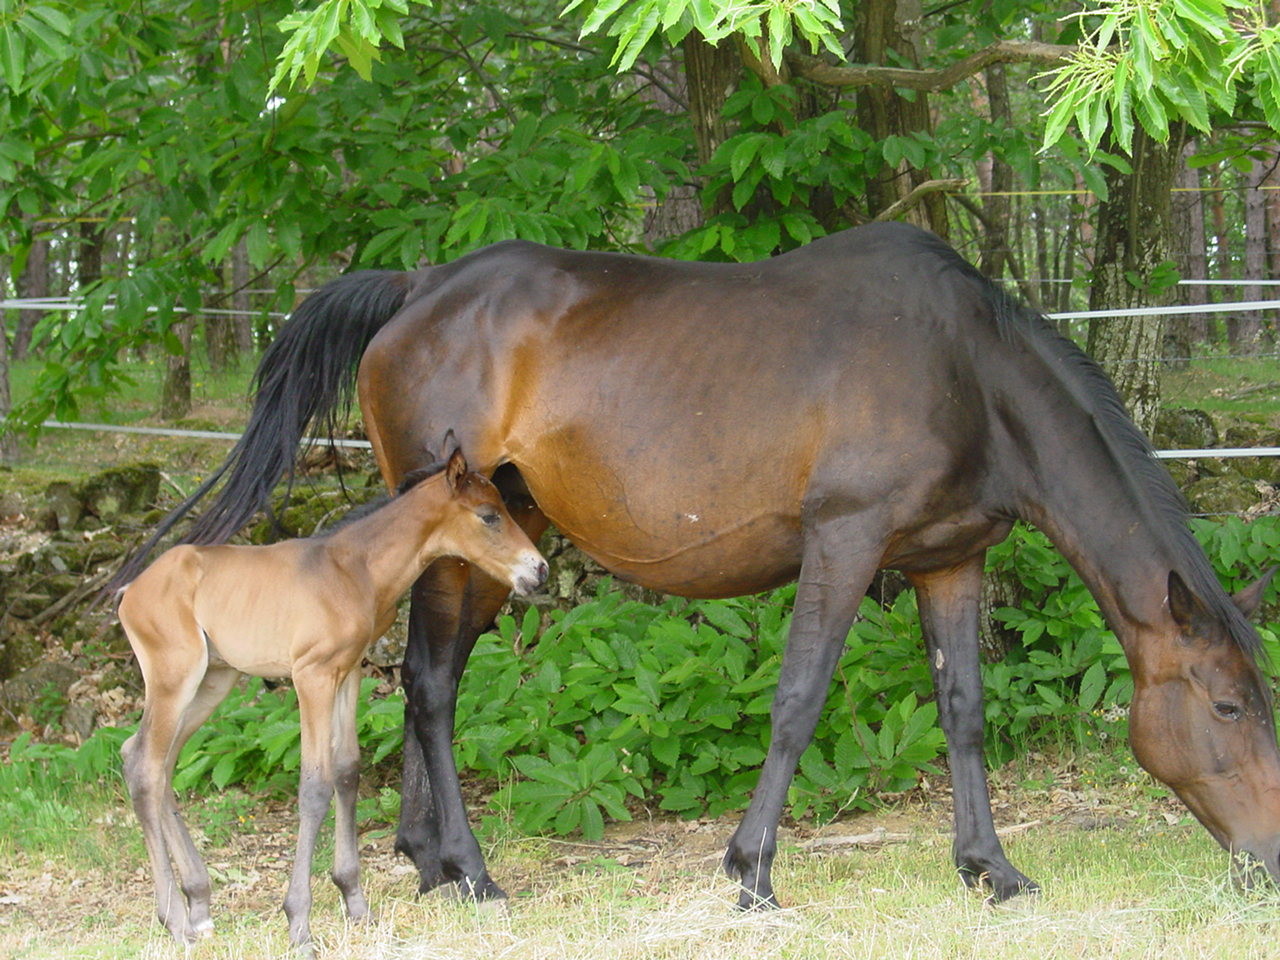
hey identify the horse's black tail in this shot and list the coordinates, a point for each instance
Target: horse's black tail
(306, 378)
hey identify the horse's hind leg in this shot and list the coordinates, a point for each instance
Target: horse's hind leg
(346, 778)
(443, 629)
(948, 603)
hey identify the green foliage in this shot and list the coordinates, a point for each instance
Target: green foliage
(253, 739)
(43, 787)
(580, 717)
(1157, 63)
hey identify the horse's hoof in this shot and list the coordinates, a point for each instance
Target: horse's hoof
(751, 902)
(482, 890)
(1001, 887)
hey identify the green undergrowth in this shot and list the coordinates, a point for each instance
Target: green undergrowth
(574, 718)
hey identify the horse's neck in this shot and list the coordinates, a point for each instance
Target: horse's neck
(1076, 489)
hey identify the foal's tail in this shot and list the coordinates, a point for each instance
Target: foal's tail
(306, 378)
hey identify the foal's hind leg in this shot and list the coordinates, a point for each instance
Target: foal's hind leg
(948, 603)
(193, 875)
(176, 705)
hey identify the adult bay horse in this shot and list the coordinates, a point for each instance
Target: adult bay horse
(867, 401)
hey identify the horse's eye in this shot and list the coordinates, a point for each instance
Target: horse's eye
(490, 519)
(1227, 710)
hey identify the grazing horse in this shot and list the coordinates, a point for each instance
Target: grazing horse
(706, 429)
(201, 616)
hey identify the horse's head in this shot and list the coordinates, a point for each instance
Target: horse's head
(478, 529)
(1202, 722)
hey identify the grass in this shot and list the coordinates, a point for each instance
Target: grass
(1136, 888)
(1240, 386)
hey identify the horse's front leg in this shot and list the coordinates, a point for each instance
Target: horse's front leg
(450, 605)
(949, 602)
(834, 575)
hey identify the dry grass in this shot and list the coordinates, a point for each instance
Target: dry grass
(1126, 884)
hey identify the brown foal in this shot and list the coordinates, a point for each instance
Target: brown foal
(201, 616)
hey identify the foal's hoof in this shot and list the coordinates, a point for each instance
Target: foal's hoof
(203, 930)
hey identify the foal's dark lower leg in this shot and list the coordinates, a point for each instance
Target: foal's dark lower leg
(949, 603)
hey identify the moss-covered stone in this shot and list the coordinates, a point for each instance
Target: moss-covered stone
(20, 647)
(1227, 493)
(120, 490)
(1185, 429)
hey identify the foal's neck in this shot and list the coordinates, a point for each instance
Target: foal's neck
(396, 542)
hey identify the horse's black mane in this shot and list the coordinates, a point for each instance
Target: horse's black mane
(1132, 452)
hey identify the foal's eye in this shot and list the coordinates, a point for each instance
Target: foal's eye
(1227, 710)
(490, 519)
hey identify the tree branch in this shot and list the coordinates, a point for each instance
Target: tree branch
(927, 81)
(918, 193)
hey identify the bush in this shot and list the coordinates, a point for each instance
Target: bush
(616, 701)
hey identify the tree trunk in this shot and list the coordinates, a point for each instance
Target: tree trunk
(883, 34)
(175, 396)
(993, 256)
(1192, 257)
(89, 252)
(1135, 236)
(220, 342)
(241, 300)
(1245, 331)
(1221, 262)
(33, 284)
(8, 443)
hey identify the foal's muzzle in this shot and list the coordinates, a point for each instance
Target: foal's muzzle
(530, 575)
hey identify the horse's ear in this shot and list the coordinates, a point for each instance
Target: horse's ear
(455, 471)
(1185, 607)
(1250, 598)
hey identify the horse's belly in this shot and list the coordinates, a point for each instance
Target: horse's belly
(692, 555)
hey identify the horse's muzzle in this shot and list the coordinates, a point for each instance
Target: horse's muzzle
(1253, 870)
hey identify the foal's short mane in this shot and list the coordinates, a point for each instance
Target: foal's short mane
(1149, 483)
(411, 480)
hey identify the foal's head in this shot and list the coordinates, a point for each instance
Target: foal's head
(473, 525)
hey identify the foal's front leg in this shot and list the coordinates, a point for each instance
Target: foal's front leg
(316, 691)
(948, 603)
(346, 754)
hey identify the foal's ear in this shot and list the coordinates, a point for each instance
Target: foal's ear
(1249, 598)
(455, 471)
